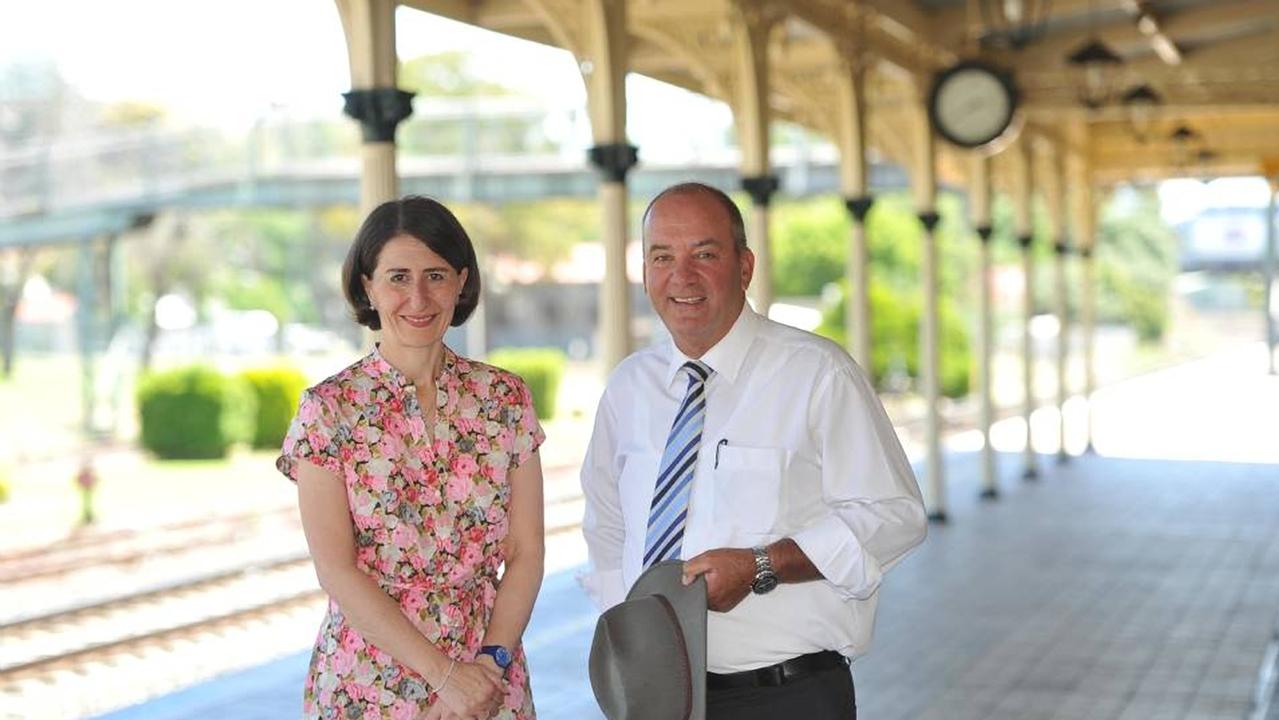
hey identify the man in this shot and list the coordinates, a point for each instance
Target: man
(761, 455)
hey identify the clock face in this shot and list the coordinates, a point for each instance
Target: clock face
(972, 105)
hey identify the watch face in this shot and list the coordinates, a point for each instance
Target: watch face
(972, 104)
(764, 583)
(501, 656)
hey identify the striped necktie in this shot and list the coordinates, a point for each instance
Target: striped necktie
(675, 478)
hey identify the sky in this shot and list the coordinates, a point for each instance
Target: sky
(1182, 199)
(230, 62)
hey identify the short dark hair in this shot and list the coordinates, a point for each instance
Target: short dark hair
(736, 226)
(418, 217)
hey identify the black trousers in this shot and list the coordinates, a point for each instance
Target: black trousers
(825, 695)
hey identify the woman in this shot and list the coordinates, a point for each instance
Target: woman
(418, 478)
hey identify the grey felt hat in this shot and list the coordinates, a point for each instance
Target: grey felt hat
(648, 658)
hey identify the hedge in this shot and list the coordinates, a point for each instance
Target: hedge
(894, 328)
(194, 413)
(277, 390)
(541, 369)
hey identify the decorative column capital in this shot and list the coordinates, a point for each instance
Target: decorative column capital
(1025, 241)
(859, 206)
(379, 111)
(984, 232)
(613, 160)
(929, 218)
(761, 188)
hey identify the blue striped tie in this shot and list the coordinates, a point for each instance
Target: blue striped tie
(675, 479)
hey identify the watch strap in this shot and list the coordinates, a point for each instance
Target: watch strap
(765, 576)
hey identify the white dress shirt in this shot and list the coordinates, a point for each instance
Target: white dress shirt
(795, 444)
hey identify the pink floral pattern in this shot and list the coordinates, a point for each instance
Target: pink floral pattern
(429, 514)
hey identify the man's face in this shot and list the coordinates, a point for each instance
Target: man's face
(694, 275)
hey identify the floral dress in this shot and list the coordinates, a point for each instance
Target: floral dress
(429, 512)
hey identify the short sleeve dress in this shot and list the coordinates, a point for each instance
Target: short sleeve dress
(429, 511)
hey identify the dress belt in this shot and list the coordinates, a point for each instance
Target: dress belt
(784, 672)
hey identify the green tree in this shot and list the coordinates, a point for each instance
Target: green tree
(811, 241)
(546, 231)
(165, 255)
(265, 254)
(895, 326)
(446, 74)
(1136, 264)
(449, 75)
(36, 102)
(809, 244)
(285, 261)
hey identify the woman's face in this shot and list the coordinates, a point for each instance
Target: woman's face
(414, 292)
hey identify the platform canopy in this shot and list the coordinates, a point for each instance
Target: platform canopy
(1212, 66)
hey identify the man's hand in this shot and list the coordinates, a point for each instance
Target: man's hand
(728, 573)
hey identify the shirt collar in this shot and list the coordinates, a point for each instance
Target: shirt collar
(725, 358)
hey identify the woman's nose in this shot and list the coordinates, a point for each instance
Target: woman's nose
(420, 295)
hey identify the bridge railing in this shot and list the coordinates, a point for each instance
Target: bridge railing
(152, 162)
(89, 170)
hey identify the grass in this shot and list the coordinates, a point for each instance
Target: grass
(42, 446)
(135, 490)
(40, 406)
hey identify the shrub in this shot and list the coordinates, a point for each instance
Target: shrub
(194, 413)
(894, 337)
(276, 390)
(541, 369)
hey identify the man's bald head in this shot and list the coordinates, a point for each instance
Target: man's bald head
(737, 227)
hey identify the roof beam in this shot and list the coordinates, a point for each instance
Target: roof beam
(1126, 38)
(1148, 25)
(952, 25)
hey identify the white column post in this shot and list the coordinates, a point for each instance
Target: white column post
(979, 197)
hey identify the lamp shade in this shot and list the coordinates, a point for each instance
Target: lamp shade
(1142, 103)
(1098, 67)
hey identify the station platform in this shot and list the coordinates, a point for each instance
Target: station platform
(1130, 584)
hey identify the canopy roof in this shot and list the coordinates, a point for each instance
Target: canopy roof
(1215, 63)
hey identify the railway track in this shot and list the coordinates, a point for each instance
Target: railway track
(113, 652)
(127, 644)
(86, 634)
(113, 675)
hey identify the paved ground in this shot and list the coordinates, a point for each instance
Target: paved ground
(1121, 586)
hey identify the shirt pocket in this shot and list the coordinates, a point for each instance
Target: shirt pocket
(748, 483)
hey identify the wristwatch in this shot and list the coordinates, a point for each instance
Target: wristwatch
(765, 577)
(501, 656)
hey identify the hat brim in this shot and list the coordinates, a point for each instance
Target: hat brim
(689, 603)
(648, 656)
